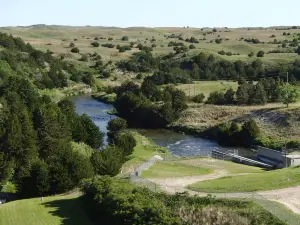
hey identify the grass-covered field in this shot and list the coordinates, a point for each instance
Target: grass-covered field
(270, 180)
(56, 210)
(206, 87)
(58, 38)
(170, 169)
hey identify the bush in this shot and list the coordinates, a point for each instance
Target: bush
(192, 46)
(198, 98)
(260, 54)
(219, 40)
(116, 125)
(251, 54)
(108, 45)
(95, 44)
(229, 53)
(222, 52)
(153, 45)
(72, 45)
(75, 50)
(125, 38)
(216, 98)
(110, 39)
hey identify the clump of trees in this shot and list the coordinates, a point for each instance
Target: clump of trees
(248, 93)
(147, 106)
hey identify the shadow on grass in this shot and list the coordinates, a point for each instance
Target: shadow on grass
(71, 211)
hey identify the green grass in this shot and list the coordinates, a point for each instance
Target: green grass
(61, 36)
(171, 169)
(206, 87)
(270, 180)
(56, 210)
(230, 167)
(143, 151)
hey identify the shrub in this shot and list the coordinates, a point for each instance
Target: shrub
(110, 39)
(222, 52)
(216, 98)
(72, 45)
(214, 30)
(198, 98)
(75, 50)
(192, 46)
(125, 38)
(95, 44)
(108, 45)
(251, 54)
(260, 54)
(229, 53)
(219, 40)
(153, 45)
(96, 38)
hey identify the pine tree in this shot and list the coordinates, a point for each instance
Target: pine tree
(259, 97)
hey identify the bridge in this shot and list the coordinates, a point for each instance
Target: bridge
(228, 155)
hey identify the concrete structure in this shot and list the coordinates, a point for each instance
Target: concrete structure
(277, 158)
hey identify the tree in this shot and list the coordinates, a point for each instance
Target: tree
(116, 125)
(260, 96)
(37, 183)
(289, 94)
(250, 131)
(126, 142)
(242, 95)
(229, 96)
(260, 54)
(298, 50)
(216, 98)
(94, 136)
(108, 161)
(198, 98)
(75, 50)
(125, 38)
(95, 44)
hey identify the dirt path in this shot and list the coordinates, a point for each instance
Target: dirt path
(290, 197)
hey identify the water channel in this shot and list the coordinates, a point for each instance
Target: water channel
(178, 144)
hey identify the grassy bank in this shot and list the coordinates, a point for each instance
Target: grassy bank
(270, 180)
(174, 169)
(104, 97)
(54, 210)
(143, 151)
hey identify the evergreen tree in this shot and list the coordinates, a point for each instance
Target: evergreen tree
(229, 96)
(260, 96)
(242, 96)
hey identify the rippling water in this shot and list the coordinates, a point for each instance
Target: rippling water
(178, 144)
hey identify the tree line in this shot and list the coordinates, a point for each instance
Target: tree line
(171, 69)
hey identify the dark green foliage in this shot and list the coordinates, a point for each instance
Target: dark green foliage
(125, 38)
(251, 54)
(115, 201)
(126, 142)
(116, 125)
(133, 104)
(260, 54)
(37, 182)
(216, 98)
(108, 161)
(229, 96)
(95, 44)
(108, 45)
(198, 98)
(72, 45)
(124, 48)
(249, 132)
(298, 50)
(94, 137)
(222, 52)
(75, 50)
(192, 46)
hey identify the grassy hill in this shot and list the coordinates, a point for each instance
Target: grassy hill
(55, 210)
(58, 38)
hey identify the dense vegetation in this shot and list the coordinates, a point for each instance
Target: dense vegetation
(148, 106)
(44, 70)
(109, 201)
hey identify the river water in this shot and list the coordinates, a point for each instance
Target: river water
(178, 144)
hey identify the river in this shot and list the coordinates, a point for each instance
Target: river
(177, 144)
